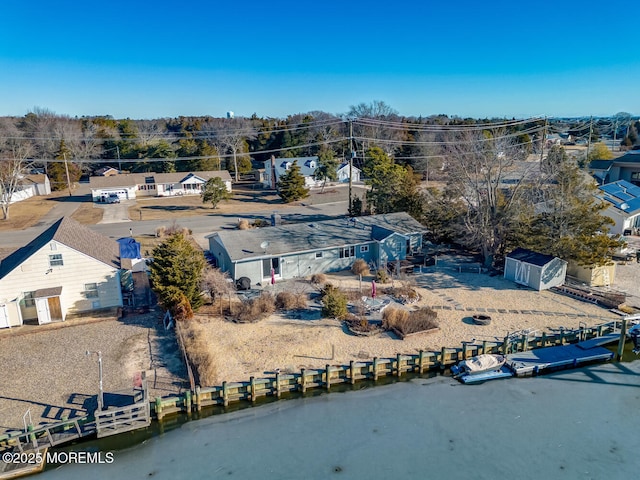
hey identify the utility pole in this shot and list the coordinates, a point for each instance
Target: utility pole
(351, 155)
(119, 162)
(66, 167)
(544, 135)
(589, 142)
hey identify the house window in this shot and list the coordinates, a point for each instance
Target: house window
(91, 290)
(348, 252)
(29, 301)
(55, 260)
(318, 254)
(364, 248)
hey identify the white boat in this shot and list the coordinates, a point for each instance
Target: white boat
(479, 364)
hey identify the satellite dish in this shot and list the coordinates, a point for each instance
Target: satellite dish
(264, 246)
(624, 206)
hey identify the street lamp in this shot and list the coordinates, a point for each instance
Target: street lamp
(101, 394)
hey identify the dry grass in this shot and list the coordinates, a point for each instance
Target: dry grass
(318, 279)
(291, 300)
(26, 213)
(360, 267)
(199, 352)
(253, 310)
(407, 322)
(243, 224)
(88, 214)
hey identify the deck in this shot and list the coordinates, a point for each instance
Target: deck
(548, 359)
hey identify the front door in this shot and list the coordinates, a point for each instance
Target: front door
(55, 310)
(268, 264)
(42, 306)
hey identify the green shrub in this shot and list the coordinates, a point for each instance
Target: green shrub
(334, 302)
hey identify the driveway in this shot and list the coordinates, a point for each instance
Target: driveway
(116, 212)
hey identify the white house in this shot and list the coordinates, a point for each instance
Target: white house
(66, 269)
(343, 173)
(30, 186)
(131, 185)
(623, 206)
(274, 168)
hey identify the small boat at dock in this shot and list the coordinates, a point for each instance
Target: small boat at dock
(482, 368)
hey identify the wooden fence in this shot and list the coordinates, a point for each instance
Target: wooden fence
(325, 378)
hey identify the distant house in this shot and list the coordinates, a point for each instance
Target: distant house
(274, 168)
(626, 167)
(66, 269)
(623, 206)
(343, 173)
(302, 249)
(31, 186)
(106, 172)
(131, 185)
(534, 270)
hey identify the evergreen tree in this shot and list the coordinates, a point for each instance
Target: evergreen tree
(328, 168)
(176, 271)
(291, 185)
(57, 171)
(394, 188)
(567, 222)
(214, 191)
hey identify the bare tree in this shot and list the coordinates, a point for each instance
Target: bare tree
(14, 162)
(232, 136)
(484, 171)
(217, 283)
(377, 124)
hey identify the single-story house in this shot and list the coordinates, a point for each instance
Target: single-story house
(106, 172)
(131, 185)
(623, 206)
(68, 268)
(626, 167)
(274, 168)
(302, 249)
(30, 186)
(534, 270)
(343, 173)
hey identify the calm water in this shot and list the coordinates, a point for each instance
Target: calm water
(575, 424)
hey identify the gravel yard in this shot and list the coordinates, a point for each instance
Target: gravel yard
(44, 369)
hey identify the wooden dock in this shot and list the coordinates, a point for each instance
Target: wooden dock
(542, 360)
(16, 470)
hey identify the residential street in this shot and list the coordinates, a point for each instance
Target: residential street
(199, 225)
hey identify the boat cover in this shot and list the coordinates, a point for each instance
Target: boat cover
(484, 362)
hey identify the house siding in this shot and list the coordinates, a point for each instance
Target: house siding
(539, 278)
(301, 265)
(77, 270)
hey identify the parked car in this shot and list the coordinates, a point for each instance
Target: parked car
(113, 198)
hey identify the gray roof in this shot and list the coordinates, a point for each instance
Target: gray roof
(301, 237)
(70, 233)
(529, 256)
(131, 179)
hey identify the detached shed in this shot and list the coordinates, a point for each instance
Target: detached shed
(534, 270)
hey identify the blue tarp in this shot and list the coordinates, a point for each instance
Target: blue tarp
(129, 248)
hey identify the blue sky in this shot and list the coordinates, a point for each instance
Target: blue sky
(149, 59)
